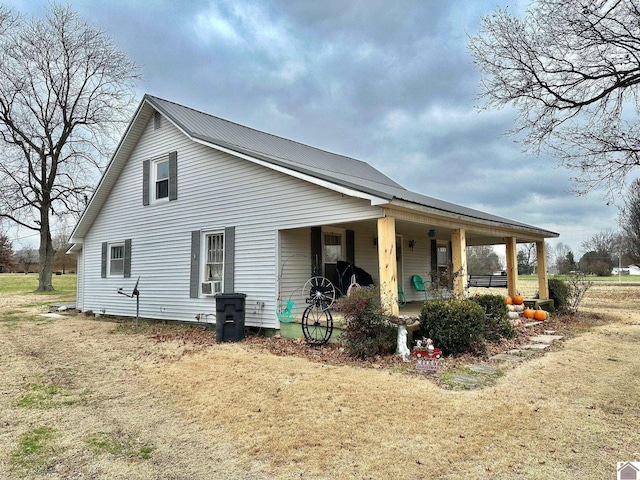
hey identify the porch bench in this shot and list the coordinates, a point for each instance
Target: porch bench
(488, 281)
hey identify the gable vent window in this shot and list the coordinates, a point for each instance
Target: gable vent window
(157, 121)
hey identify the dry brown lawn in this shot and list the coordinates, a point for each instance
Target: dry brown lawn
(82, 398)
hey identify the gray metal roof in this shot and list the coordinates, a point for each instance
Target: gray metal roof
(346, 172)
(286, 153)
(339, 169)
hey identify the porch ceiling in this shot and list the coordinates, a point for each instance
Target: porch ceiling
(407, 228)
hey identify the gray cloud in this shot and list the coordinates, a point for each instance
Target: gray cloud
(391, 83)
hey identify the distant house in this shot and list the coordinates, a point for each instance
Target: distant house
(196, 205)
(628, 270)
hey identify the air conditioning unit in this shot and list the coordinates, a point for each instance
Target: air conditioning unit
(211, 288)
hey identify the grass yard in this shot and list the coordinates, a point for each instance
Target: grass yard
(87, 398)
(64, 285)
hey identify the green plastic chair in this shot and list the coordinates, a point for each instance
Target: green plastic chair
(402, 301)
(418, 285)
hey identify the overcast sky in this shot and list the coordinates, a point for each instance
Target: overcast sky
(390, 82)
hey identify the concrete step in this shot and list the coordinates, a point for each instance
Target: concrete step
(536, 346)
(466, 379)
(545, 338)
(531, 324)
(483, 368)
(507, 357)
(517, 351)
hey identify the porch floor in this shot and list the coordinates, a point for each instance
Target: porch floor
(411, 309)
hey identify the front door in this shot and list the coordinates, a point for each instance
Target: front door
(332, 251)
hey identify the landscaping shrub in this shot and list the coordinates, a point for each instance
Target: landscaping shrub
(454, 325)
(559, 292)
(367, 331)
(496, 321)
(578, 286)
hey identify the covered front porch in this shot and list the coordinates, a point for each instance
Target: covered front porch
(393, 248)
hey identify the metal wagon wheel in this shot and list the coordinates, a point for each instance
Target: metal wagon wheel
(320, 291)
(317, 324)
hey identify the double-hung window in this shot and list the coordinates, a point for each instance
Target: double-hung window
(116, 259)
(213, 263)
(161, 179)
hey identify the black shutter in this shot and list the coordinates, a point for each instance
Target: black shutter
(145, 182)
(127, 258)
(194, 280)
(450, 265)
(351, 246)
(316, 251)
(103, 260)
(434, 259)
(173, 176)
(229, 259)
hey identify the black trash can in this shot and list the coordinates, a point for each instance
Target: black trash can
(230, 317)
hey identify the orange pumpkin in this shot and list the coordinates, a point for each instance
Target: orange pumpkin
(508, 301)
(540, 315)
(529, 313)
(517, 300)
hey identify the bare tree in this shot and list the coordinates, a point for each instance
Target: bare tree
(526, 258)
(563, 258)
(61, 244)
(557, 254)
(65, 91)
(606, 243)
(629, 220)
(571, 69)
(603, 250)
(482, 260)
(26, 256)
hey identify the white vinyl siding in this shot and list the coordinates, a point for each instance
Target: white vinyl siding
(216, 189)
(80, 280)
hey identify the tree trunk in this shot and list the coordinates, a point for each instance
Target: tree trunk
(46, 253)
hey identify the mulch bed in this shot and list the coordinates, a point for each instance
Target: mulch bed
(336, 354)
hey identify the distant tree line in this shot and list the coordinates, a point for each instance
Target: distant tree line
(26, 260)
(605, 250)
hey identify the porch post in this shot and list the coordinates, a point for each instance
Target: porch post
(387, 265)
(512, 266)
(543, 280)
(459, 261)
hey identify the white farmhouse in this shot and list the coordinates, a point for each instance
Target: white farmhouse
(194, 205)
